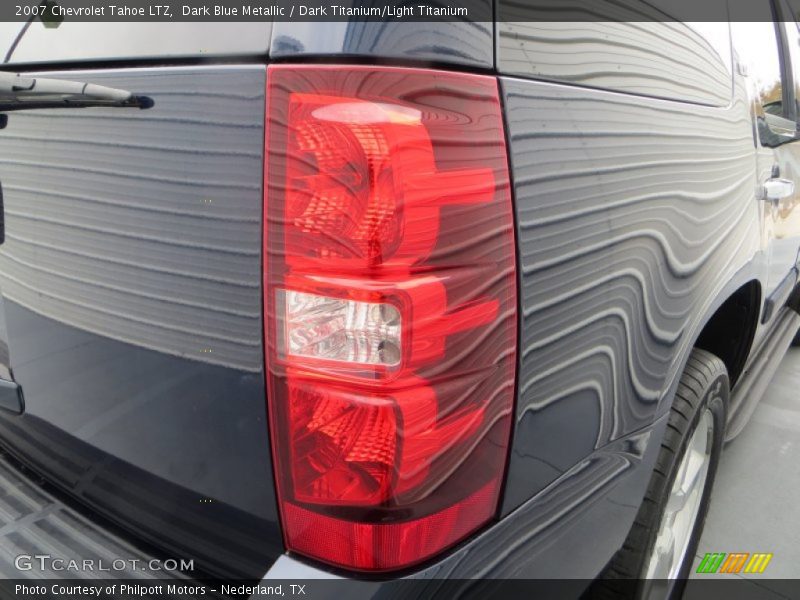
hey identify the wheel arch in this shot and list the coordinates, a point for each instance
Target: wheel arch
(723, 310)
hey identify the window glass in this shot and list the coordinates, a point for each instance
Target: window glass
(793, 41)
(757, 48)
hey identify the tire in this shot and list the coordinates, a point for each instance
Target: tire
(703, 388)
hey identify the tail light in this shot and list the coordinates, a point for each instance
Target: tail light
(390, 305)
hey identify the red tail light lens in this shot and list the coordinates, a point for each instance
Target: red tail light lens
(390, 309)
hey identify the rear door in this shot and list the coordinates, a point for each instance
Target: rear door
(131, 279)
(786, 215)
(764, 50)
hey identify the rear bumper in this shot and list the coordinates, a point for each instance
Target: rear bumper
(44, 537)
(568, 532)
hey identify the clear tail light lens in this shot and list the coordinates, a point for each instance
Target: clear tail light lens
(390, 309)
(325, 328)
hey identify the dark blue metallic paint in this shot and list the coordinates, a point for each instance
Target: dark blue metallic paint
(637, 219)
(619, 260)
(464, 43)
(131, 278)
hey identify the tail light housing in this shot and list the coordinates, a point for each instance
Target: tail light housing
(390, 309)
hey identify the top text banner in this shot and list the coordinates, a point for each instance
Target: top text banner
(54, 12)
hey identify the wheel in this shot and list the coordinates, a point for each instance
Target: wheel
(655, 560)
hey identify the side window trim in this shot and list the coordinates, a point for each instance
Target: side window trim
(787, 71)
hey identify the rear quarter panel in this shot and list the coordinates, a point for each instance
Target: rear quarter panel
(636, 217)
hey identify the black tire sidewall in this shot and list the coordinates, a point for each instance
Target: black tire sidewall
(717, 404)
